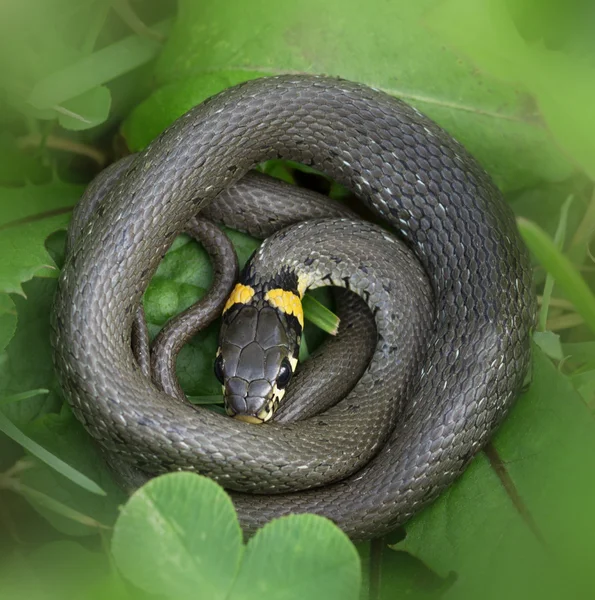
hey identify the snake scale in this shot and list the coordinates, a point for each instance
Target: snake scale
(417, 180)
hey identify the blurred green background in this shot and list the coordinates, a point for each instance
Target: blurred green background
(82, 83)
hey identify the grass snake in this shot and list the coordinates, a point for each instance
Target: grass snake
(412, 430)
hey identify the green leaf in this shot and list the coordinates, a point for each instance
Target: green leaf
(549, 343)
(85, 111)
(299, 556)
(179, 536)
(94, 70)
(563, 271)
(27, 216)
(320, 315)
(519, 522)
(395, 51)
(562, 86)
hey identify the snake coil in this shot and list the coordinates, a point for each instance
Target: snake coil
(411, 174)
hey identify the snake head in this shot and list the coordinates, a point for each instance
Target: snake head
(257, 356)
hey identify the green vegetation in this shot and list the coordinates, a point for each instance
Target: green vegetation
(81, 81)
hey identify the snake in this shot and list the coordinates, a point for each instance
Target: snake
(437, 386)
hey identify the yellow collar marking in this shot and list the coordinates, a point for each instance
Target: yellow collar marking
(240, 294)
(288, 302)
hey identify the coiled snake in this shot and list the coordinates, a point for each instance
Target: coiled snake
(417, 180)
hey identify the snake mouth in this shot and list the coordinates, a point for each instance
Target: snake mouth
(262, 416)
(249, 419)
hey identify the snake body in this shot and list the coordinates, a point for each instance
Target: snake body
(415, 178)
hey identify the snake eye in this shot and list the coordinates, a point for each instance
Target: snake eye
(219, 368)
(285, 374)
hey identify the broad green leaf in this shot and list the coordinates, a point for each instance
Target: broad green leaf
(295, 557)
(178, 536)
(562, 85)
(47, 63)
(549, 343)
(519, 522)
(92, 71)
(36, 38)
(395, 51)
(85, 111)
(27, 216)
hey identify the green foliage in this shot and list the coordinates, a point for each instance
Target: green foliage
(512, 80)
(562, 84)
(388, 45)
(50, 66)
(179, 537)
(530, 491)
(561, 268)
(27, 217)
(34, 448)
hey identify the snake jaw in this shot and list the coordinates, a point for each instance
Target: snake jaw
(264, 415)
(249, 419)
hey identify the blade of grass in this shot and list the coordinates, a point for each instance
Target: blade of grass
(13, 432)
(22, 396)
(567, 321)
(562, 270)
(95, 69)
(127, 14)
(580, 242)
(53, 504)
(548, 287)
(206, 399)
(320, 315)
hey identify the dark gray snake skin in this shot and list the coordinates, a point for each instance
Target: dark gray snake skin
(410, 173)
